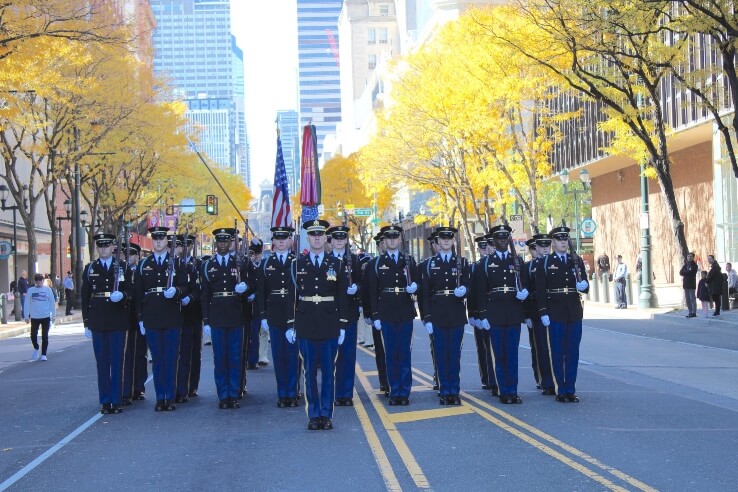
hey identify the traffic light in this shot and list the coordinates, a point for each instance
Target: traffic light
(339, 209)
(211, 205)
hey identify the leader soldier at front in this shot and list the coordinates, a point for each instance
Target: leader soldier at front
(321, 307)
(106, 292)
(161, 282)
(223, 285)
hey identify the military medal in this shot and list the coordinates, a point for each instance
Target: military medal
(331, 274)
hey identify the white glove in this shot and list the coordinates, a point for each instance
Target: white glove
(341, 336)
(368, 321)
(582, 285)
(429, 328)
(206, 330)
(116, 296)
(529, 322)
(485, 324)
(88, 333)
(264, 326)
(352, 289)
(170, 292)
(545, 320)
(251, 298)
(522, 294)
(473, 322)
(460, 291)
(377, 324)
(185, 300)
(361, 310)
(412, 288)
(240, 288)
(290, 334)
(141, 328)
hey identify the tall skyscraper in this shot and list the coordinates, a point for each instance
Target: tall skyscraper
(318, 72)
(289, 129)
(194, 49)
(241, 147)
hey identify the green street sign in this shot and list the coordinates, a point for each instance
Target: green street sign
(363, 212)
(375, 221)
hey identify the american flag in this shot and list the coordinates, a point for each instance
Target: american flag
(281, 213)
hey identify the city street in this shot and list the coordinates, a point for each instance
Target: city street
(658, 411)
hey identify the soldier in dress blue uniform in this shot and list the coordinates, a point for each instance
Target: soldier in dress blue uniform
(500, 297)
(159, 313)
(247, 308)
(377, 343)
(106, 293)
(444, 286)
(391, 286)
(256, 249)
(536, 331)
(433, 242)
(481, 337)
(346, 361)
(135, 363)
(223, 283)
(190, 346)
(321, 316)
(559, 281)
(274, 306)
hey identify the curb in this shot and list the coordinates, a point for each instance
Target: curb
(710, 320)
(24, 328)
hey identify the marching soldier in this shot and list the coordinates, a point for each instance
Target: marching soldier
(444, 288)
(481, 337)
(320, 308)
(161, 282)
(190, 346)
(135, 363)
(223, 283)
(433, 242)
(559, 281)
(247, 309)
(252, 354)
(274, 305)
(346, 361)
(539, 247)
(391, 285)
(106, 292)
(379, 354)
(500, 300)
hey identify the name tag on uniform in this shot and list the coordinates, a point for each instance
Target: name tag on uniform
(435, 268)
(384, 267)
(302, 272)
(270, 268)
(553, 267)
(148, 268)
(93, 274)
(494, 265)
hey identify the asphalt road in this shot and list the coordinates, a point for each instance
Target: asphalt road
(658, 412)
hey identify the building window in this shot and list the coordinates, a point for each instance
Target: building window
(371, 36)
(384, 10)
(372, 62)
(383, 36)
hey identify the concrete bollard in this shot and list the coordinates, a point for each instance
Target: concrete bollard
(594, 290)
(725, 298)
(629, 289)
(606, 288)
(18, 307)
(3, 310)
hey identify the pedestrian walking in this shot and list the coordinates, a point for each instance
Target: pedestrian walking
(689, 284)
(22, 287)
(703, 293)
(715, 283)
(68, 285)
(621, 270)
(41, 312)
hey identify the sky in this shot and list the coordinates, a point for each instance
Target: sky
(266, 31)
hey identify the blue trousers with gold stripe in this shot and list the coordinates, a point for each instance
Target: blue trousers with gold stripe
(164, 346)
(346, 363)
(542, 357)
(285, 358)
(563, 340)
(447, 345)
(505, 341)
(227, 351)
(398, 338)
(109, 347)
(319, 353)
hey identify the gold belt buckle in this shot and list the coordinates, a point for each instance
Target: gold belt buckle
(315, 299)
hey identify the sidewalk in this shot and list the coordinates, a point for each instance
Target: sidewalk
(15, 328)
(593, 310)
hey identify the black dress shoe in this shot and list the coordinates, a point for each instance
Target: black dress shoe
(193, 394)
(561, 399)
(572, 398)
(181, 399)
(139, 396)
(159, 406)
(263, 363)
(516, 399)
(315, 424)
(404, 401)
(454, 400)
(251, 367)
(486, 387)
(105, 408)
(116, 409)
(506, 400)
(234, 403)
(443, 400)
(327, 424)
(435, 387)
(495, 391)
(299, 396)
(383, 388)
(338, 402)
(223, 404)
(394, 401)
(282, 403)
(348, 402)
(169, 405)
(548, 392)
(241, 394)
(127, 402)
(538, 386)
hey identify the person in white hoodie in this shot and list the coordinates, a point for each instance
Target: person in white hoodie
(40, 309)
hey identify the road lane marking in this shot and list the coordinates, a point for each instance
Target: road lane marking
(385, 468)
(416, 473)
(416, 415)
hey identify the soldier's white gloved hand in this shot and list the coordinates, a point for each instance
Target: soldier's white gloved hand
(485, 324)
(240, 287)
(412, 288)
(473, 322)
(582, 285)
(264, 326)
(545, 320)
(429, 328)
(206, 330)
(460, 291)
(529, 322)
(88, 333)
(368, 321)
(251, 298)
(377, 324)
(170, 292)
(352, 289)
(185, 300)
(141, 328)
(361, 310)
(341, 337)
(116, 296)
(522, 294)
(291, 336)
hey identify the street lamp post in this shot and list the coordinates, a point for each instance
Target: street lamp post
(585, 179)
(646, 299)
(77, 232)
(68, 210)
(3, 198)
